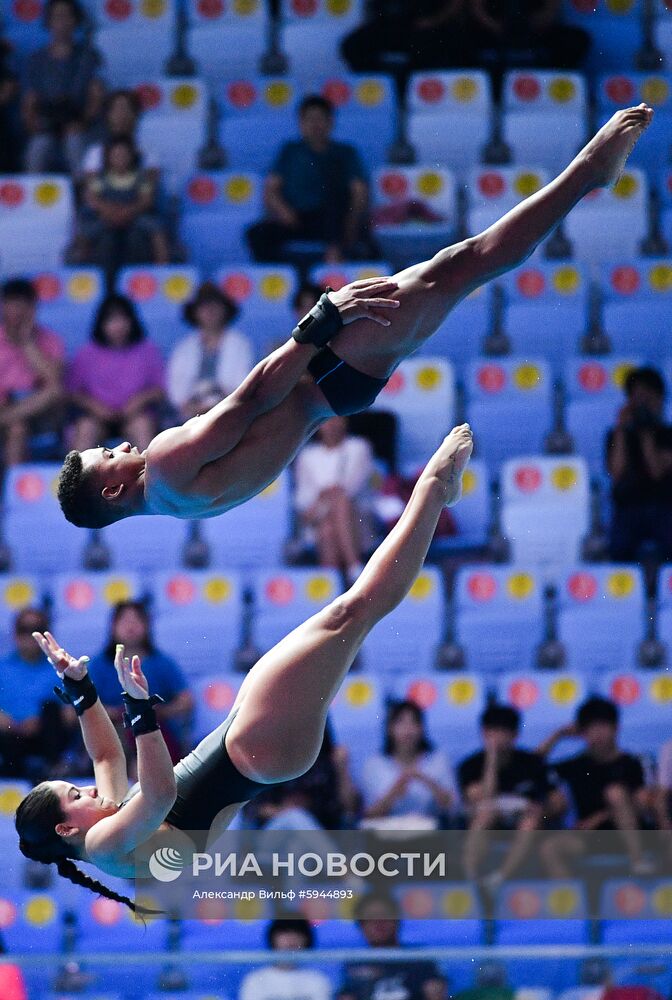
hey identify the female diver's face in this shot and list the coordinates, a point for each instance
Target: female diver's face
(82, 807)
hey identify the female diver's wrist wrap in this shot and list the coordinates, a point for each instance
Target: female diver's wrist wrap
(320, 325)
(80, 694)
(140, 716)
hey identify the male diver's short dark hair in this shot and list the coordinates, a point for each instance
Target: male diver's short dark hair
(79, 501)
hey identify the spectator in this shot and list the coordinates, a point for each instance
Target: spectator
(35, 728)
(377, 915)
(502, 787)
(63, 92)
(409, 778)
(31, 366)
(332, 478)
(639, 462)
(606, 786)
(120, 121)
(210, 363)
(116, 381)
(317, 190)
(131, 627)
(429, 33)
(284, 979)
(9, 88)
(121, 226)
(662, 793)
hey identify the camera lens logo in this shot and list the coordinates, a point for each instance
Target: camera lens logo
(166, 864)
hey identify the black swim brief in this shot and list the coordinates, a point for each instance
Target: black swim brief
(207, 782)
(345, 389)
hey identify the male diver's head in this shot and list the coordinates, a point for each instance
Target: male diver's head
(101, 485)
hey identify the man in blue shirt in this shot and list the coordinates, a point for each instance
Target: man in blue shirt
(317, 190)
(33, 722)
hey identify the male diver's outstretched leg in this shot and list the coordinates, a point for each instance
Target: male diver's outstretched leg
(283, 701)
(428, 291)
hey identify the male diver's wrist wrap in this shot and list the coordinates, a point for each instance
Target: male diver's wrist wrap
(320, 325)
(140, 716)
(80, 694)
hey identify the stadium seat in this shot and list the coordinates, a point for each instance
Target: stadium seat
(311, 33)
(16, 592)
(499, 391)
(31, 203)
(644, 698)
(664, 613)
(545, 510)
(601, 612)
(173, 125)
(285, 598)
(337, 275)
(159, 293)
(198, 614)
(545, 117)
(357, 715)
(619, 90)
(461, 336)
(68, 301)
(217, 208)
(637, 298)
(499, 617)
(409, 637)
(226, 40)
(106, 925)
(450, 118)
(81, 604)
(615, 26)
(257, 115)
(31, 921)
(407, 242)
(23, 26)
(635, 911)
(366, 114)
(252, 535)
(147, 543)
(545, 701)
(135, 38)
(421, 393)
(214, 696)
(493, 191)
(546, 310)
(665, 195)
(472, 515)
(264, 293)
(610, 217)
(594, 394)
(662, 33)
(452, 706)
(453, 915)
(39, 537)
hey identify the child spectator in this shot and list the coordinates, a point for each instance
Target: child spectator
(284, 979)
(116, 381)
(210, 363)
(409, 777)
(63, 92)
(317, 191)
(120, 121)
(332, 479)
(31, 365)
(121, 227)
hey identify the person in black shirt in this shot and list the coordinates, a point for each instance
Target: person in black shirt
(378, 917)
(604, 784)
(501, 786)
(639, 462)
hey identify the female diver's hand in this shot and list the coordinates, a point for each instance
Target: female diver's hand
(130, 674)
(63, 663)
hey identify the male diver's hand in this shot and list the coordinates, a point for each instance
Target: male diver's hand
(363, 299)
(62, 662)
(130, 674)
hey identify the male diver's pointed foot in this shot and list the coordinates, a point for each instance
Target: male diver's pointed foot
(450, 460)
(607, 151)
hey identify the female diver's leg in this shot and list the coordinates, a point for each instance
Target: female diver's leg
(283, 702)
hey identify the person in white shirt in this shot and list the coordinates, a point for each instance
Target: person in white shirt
(211, 362)
(332, 477)
(284, 980)
(120, 118)
(409, 776)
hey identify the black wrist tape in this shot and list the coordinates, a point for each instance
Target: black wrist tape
(80, 694)
(140, 716)
(320, 325)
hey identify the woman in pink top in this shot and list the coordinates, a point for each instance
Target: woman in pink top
(116, 381)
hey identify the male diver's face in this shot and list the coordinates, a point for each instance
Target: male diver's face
(113, 466)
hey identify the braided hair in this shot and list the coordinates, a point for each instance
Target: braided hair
(35, 821)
